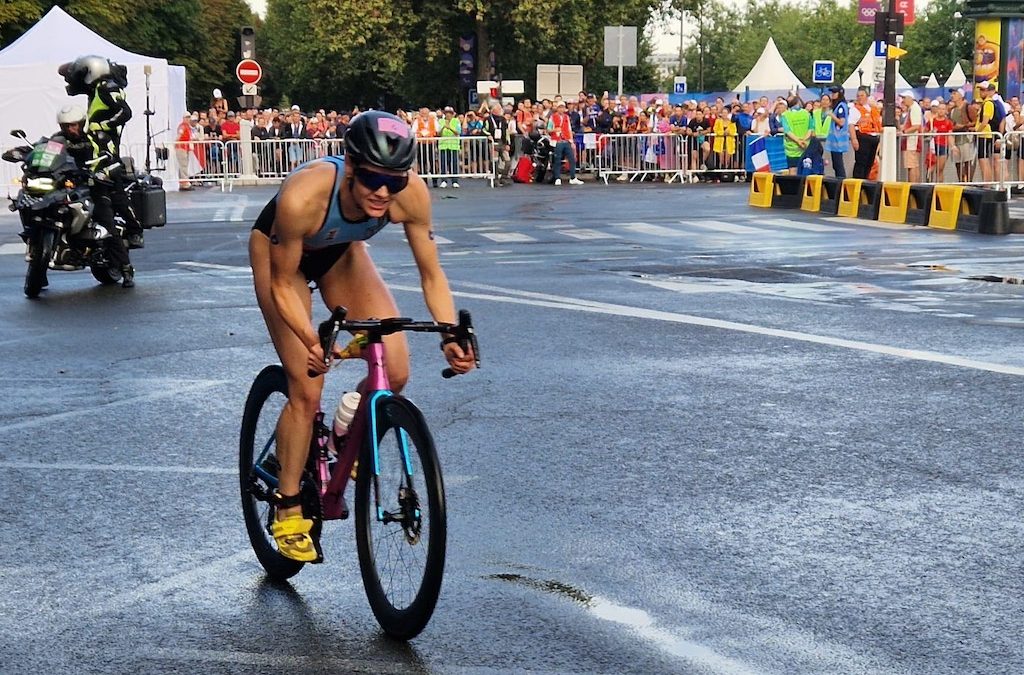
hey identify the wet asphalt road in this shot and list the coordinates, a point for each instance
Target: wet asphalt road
(705, 439)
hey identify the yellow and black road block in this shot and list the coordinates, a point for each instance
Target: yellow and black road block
(870, 200)
(761, 188)
(849, 197)
(893, 207)
(830, 192)
(945, 206)
(919, 203)
(984, 211)
(812, 194)
(788, 192)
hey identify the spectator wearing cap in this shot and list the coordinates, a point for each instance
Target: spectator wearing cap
(449, 130)
(838, 140)
(560, 130)
(760, 125)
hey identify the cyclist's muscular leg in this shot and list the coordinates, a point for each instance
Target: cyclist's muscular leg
(294, 428)
(354, 283)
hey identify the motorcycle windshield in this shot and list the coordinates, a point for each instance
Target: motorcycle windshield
(47, 156)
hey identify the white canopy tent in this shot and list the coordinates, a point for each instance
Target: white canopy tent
(31, 91)
(867, 64)
(770, 73)
(932, 83)
(957, 78)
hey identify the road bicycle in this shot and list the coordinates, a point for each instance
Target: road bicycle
(400, 516)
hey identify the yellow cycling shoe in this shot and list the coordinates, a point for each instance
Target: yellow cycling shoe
(292, 537)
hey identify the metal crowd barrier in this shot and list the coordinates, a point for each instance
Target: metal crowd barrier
(630, 157)
(954, 158)
(473, 158)
(272, 159)
(198, 162)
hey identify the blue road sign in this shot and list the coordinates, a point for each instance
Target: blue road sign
(824, 72)
(679, 86)
(474, 99)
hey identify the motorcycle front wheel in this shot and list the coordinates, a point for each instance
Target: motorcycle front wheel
(40, 250)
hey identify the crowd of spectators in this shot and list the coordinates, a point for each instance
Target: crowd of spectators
(716, 132)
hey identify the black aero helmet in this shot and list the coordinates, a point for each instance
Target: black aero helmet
(380, 139)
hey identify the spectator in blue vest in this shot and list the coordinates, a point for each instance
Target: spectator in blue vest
(838, 140)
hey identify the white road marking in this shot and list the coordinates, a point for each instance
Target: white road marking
(129, 468)
(482, 229)
(796, 225)
(213, 266)
(188, 579)
(505, 237)
(10, 249)
(438, 239)
(160, 390)
(656, 230)
(720, 226)
(583, 233)
(238, 213)
(515, 296)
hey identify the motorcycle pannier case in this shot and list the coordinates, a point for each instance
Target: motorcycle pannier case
(150, 205)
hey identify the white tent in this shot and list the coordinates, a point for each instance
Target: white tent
(31, 91)
(932, 83)
(770, 73)
(867, 64)
(957, 78)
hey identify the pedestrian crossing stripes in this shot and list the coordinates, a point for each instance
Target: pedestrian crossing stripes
(798, 225)
(507, 236)
(583, 233)
(721, 226)
(655, 230)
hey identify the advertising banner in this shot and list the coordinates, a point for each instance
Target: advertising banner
(986, 50)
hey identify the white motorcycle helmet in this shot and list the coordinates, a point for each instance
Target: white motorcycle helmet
(71, 114)
(83, 72)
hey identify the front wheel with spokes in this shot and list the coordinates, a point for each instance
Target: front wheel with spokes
(401, 525)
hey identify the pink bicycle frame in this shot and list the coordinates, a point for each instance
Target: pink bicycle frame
(376, 382)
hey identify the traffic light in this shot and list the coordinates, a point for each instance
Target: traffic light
(248, 42)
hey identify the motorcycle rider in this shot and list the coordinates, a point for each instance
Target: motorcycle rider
(104, 82)
(72, 122)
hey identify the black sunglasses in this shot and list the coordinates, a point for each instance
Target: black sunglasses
(375, 181)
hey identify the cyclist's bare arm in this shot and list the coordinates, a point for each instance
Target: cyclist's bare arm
(412, 209)
(301, 206)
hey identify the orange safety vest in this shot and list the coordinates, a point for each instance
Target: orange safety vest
(870, 121)
(426, 129)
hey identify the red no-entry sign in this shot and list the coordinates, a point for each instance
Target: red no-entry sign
(248, 71)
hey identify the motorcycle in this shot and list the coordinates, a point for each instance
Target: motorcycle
(56, 215)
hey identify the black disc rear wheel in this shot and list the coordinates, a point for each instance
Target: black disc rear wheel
(257, 460)
(401, 523)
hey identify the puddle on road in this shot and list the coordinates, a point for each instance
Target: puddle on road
(637, 620)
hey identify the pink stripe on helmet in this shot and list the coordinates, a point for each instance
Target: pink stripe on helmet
(393, 126)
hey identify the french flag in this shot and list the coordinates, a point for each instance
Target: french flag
(759, 154)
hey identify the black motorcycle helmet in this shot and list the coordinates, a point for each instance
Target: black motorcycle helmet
(380, 139)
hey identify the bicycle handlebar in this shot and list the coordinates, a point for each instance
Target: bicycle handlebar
(462, 331)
